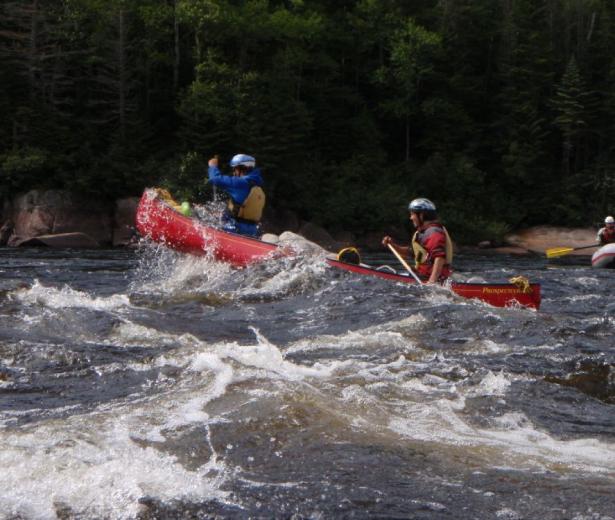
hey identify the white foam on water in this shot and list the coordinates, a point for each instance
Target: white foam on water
(99, 464)
(587, 281)
(491, 347)
(416, 384)
(266, 356)
(491, 385)
(442, 295)
(128, 334)
(368, 338)
(580, 298)
(389, 390)
(290, 275)
(66, 297)
(91, 464)
(163, 271)
(212, 375)
(508, 514)
(190, 410)
(521, 444)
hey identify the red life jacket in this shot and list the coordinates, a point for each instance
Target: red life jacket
(424, 251)
(607, 235)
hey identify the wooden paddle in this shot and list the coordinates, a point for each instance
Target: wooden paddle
(554, 252)
(404, 263)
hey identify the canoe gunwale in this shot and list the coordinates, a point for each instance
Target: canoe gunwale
(499, 294)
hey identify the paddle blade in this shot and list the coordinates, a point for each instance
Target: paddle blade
(558, 251)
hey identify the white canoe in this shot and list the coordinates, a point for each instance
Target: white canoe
(604, 257)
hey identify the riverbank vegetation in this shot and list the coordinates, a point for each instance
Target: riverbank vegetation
(500, 111)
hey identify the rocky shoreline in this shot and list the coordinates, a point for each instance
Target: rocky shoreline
(56, 218)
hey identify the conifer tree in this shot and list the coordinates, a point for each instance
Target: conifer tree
(569, 103)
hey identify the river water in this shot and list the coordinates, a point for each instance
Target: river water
(146, 384)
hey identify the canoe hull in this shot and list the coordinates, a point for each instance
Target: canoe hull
(604, 258)
(496, 294)
(159, 222)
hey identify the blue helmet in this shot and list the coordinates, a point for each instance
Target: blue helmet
(242, 159)
(421, 205)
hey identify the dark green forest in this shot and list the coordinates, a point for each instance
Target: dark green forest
(501, 111)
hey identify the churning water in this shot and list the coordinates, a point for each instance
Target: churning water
(146, 384)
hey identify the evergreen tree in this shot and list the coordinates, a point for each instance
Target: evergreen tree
(569, 104)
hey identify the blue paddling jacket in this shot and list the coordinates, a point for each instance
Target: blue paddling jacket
(239, 189)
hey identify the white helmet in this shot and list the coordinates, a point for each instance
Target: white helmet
(609, 220)
(242, 159)
(421, 205)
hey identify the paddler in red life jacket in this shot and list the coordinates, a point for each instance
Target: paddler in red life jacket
(246, 196)
(431, 245)
(606, 235)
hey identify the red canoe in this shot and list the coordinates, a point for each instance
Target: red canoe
(159, 221)
(496, 294)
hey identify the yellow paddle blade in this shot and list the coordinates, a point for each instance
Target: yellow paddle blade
(554, 252)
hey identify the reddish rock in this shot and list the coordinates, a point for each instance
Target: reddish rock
(33, 221)
(5, 232)
(37, 213)
(540, 238)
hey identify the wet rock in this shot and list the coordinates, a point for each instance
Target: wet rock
(5, 232)
(61, 240)
(54, 212)
(319, 235)
(590, 377)
(299, 243)
(124, 231)
(270, 238)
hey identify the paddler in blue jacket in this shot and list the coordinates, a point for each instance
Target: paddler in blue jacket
(246, 196)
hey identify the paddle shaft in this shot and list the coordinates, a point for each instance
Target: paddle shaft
(404, 263)
(562, 251)
(586, 247)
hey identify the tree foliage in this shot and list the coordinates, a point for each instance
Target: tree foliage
(501, 112)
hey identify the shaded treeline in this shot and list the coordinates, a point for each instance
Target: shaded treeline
(501, 111)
